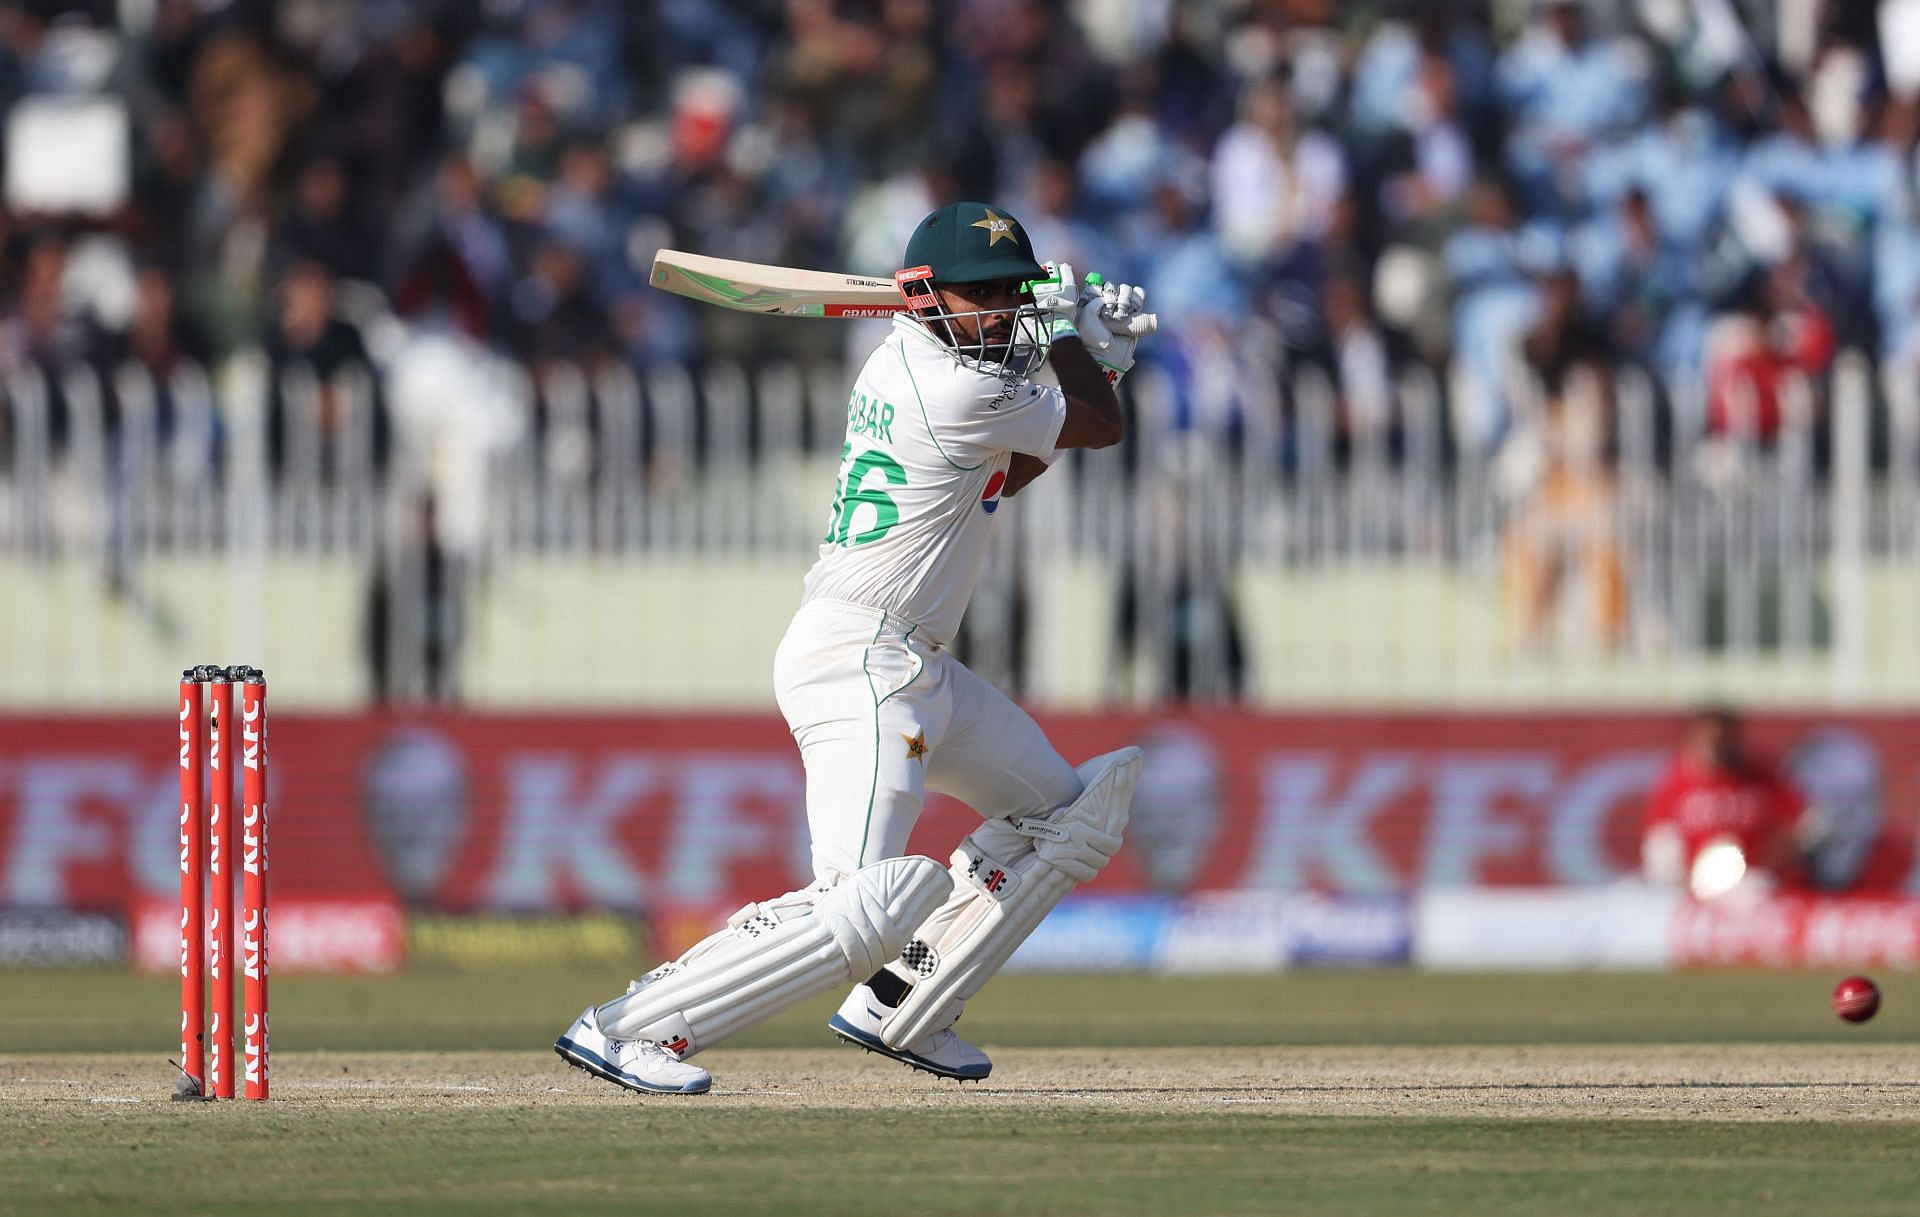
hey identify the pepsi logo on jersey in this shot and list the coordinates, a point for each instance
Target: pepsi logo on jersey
(990, 497)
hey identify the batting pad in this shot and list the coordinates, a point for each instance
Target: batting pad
(775, 954)
(1007, 876)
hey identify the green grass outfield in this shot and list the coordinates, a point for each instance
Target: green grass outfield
(1774, 1106)
(108, 1011)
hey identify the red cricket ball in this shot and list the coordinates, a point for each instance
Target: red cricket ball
(1856, 999)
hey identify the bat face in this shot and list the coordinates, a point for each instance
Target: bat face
(776, 290)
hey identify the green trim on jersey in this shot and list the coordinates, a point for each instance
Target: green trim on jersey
(921, 402)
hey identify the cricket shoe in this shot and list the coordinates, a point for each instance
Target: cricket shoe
(942, 1054)
(640, 1065)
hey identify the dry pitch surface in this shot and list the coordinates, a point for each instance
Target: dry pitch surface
(1565, 1081)
(1329, 1094)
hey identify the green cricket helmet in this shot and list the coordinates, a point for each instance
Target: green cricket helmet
(975, 243)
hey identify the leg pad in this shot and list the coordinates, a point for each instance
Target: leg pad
(775, 954)
(1005, 878)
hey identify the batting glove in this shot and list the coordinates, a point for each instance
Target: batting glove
(1124, 321)
(1068, 307)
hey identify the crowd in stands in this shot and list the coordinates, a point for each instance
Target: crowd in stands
(1366, 186)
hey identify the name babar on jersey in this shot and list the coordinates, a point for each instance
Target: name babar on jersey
(928, 443)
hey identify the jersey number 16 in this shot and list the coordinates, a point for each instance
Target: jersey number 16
(852, 492)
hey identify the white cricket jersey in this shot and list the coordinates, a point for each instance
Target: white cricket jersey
(927, 448)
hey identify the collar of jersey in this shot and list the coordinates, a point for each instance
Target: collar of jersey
(913, 329)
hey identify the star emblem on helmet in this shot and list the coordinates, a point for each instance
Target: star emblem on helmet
(998, 228)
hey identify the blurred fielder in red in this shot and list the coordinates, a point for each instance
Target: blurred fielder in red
(1714, 799)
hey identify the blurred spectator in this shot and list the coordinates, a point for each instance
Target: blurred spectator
(581, 208)
(320, 424)
(1274, 186)
(245, 102)
(1564, 335)
(455, 263)
(533, 164)
(1354, 353)
(38, 330)
(1389, 65)
(1182, 265)
(167, 173)
(320, 225)
(1643, 287)
(1715, 795)
(1566, 92)
(1682, 165)
(1562, 547)
(1784, 157)
(416, 612)
(1047, 207)
(1007, 138)
(39, 338)
(158, 337)
(1431, 164)
(383, 91)
(1563, 534)
(1493, 303)
(1762, 357)
(1895, 241)
(161, 343)
(1130, 157)
(555, 313)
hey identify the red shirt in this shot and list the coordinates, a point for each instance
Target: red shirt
(1754, 806)
(1752, 362)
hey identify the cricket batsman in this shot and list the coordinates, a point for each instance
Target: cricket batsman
(944, 422)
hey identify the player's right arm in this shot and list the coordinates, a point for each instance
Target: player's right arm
(1094, 330)
(1093, 411)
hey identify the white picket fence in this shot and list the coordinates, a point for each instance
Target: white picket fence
(1235, 546)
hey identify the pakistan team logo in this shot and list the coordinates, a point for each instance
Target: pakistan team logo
(998, 228)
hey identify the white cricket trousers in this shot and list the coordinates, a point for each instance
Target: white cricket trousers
(882, 717)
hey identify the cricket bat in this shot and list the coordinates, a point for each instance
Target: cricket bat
(777, 290)
(782, 291)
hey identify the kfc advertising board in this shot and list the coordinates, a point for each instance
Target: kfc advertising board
(536, 814)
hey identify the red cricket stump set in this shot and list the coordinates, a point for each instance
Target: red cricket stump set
(207, 854)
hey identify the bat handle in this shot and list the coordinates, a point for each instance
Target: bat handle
(1137, 326)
